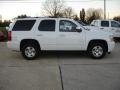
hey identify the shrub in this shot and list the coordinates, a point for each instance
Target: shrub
(3, 29)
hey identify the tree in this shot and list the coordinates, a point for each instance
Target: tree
(117, 18)
(22, 16)
(76, 17)
(93, 14)
(53, 8)
(5, 23)
(82, 15)
(68, 12)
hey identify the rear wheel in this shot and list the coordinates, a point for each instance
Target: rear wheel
(30, 51)
(97, 50)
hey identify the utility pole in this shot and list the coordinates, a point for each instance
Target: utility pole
(104, 9)
(108, 15)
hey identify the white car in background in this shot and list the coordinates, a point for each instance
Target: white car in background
(111, 26)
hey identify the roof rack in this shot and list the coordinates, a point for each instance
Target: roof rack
(41, 17)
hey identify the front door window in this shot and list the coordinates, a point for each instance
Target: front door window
(67, 26)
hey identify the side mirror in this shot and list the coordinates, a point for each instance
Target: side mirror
(78, 29)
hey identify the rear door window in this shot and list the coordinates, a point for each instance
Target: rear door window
(23, 25)
(47, 25)
(105, 23)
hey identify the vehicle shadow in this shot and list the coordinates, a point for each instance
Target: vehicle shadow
(117, 40)
(64, 54)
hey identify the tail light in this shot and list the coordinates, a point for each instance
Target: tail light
(9, 35)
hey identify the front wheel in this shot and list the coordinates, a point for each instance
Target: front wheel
(97, 50)
(30, 51)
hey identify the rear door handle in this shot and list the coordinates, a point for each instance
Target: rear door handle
(62, 35)
(39, 35)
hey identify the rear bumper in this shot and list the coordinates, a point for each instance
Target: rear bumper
(13, 45)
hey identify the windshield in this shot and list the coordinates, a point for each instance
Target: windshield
(82, 25)
(80, 22)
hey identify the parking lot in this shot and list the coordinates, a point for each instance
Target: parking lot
(59, 71)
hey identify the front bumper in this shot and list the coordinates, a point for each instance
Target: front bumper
(111, 46)
(116, 35)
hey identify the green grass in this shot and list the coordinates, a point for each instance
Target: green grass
(3, 29)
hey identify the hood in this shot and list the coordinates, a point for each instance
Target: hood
(97, 34)
(96, 29)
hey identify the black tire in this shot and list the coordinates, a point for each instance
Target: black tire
(35, 51)
(97, 50)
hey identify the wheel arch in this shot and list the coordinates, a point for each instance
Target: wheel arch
(98, 41)
(28, 41)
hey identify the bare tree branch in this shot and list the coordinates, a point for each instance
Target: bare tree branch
(53, 7)
(93, 14)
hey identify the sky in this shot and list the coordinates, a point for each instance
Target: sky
(10, 9)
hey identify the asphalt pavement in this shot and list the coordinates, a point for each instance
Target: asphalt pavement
(59, 71)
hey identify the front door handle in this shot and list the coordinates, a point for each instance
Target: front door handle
(101, 28)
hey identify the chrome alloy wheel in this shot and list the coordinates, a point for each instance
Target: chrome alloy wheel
(97, 51)
(30, 52)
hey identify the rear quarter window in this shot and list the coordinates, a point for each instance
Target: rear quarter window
(23, 25)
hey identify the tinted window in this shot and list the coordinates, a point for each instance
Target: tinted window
(105, 23)
(47, 25)
(67, 26)
(23, 25)
(115, 24)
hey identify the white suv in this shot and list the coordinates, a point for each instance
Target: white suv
(33, 35)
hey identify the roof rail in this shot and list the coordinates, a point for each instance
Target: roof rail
(41, 17)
